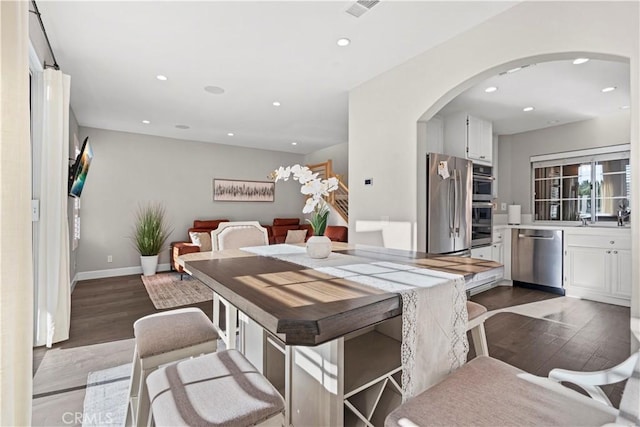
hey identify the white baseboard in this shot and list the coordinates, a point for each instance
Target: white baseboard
(74, 282)
(114, 272)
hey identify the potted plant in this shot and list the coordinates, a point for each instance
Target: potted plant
(318, 245)
(149, 235)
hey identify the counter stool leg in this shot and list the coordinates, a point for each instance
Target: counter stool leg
(133, 391)
(144, 406)
(479, 337)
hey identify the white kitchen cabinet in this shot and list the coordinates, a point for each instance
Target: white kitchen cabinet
(484, 252)
(598, 267)
(621, 273)
(497, 252)
(468, 137)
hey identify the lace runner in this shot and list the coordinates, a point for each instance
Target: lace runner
(434, 311)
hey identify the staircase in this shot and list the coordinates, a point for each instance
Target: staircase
(338, 199)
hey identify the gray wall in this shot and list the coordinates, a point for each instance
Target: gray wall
(339, 156)
(514, 151)
(131, 168)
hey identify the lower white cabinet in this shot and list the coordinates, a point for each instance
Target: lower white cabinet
(598, 267)
(485, 252)
(494, 252)
(497, 252)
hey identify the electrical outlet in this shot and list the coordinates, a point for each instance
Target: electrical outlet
(109, 258)
(503, 206)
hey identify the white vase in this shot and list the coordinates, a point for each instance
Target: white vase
(318, 247)
(149, 264)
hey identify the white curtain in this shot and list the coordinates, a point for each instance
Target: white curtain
(53, 285)
(16, 283)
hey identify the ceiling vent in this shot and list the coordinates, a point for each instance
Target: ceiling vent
(358, 8)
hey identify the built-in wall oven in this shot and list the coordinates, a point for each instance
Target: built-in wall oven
(482, 206)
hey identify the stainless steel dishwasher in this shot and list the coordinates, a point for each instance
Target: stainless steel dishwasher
(536, 259)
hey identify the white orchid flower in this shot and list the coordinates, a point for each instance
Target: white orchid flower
(306, 176)
(309, 205)
(332, 184)
(313, 187)
(283, 173)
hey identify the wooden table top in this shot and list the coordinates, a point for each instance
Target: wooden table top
(303, 306)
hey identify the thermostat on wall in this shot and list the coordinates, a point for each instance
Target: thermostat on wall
(368, 181)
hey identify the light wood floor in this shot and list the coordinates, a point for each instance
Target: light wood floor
(580, 335)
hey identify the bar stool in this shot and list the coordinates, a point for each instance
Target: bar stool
(161, 338)
(477, 316)
(217, 389)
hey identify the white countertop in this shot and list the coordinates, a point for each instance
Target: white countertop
(572, 227)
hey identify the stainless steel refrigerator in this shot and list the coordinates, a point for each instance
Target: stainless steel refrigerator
(449, 187)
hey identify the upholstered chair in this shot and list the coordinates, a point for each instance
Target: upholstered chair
(238, 234)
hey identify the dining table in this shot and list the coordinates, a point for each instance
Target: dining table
(348, 338)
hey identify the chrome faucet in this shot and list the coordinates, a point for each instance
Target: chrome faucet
(622, 215)
(623, 212)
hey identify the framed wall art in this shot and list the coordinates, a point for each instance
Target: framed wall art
(231, 190)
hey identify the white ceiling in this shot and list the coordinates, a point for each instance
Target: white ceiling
(560, 92)
(261, 52)
(258, 52)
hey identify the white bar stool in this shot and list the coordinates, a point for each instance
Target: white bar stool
(477, 315)
(219, 389)
(162, 338)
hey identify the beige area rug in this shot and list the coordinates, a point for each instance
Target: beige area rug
(166, 290)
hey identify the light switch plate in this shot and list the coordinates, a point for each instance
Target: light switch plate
(503, 206)
(35, 210)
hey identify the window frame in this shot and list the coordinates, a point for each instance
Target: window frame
(589, 156)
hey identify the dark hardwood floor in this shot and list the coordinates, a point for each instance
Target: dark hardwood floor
(570, 334)
(532, 330)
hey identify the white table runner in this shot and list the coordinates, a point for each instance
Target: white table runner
(434, 311)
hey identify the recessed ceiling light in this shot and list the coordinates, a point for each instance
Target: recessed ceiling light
(161, 77)
(343, 42)
(491, 89)
(214, 90)
(527, 109)
(146, 122)
(552, 122)
(294, 143)
(609, 89)
(230, 134)
(624, 107)
(276, 103)
(579, 61)
(513, 70)
(182, 126)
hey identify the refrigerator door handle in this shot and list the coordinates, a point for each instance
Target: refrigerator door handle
(450, 211)
(458, 200)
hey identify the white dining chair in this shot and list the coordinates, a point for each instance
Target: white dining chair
(233, 235)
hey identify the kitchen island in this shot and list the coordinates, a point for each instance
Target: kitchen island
(328, 336)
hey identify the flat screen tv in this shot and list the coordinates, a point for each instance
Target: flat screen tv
(78, 171)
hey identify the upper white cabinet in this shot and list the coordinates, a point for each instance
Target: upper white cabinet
(468, 137)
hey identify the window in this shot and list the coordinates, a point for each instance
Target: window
(593, 187)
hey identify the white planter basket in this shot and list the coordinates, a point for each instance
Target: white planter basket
(149, 264)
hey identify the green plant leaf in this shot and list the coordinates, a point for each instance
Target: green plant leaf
(150, 231)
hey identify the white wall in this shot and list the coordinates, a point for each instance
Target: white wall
(514, 170)
(339, 156)
(130, 168)
(383, 112)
